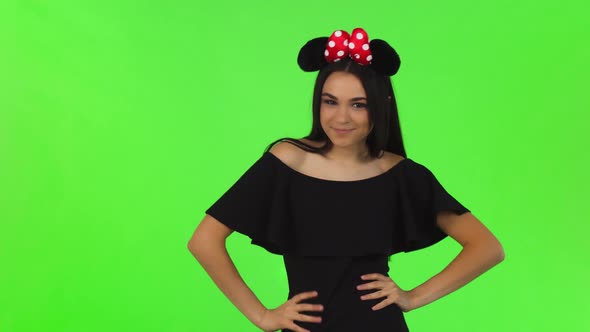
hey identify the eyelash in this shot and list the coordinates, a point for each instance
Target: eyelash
(326, 101)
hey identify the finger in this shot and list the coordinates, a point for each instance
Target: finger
(389, 280)
(309, 307)
(382, 304)
(375, 295)
(380, 283)
(308, 318)
(305, 295)
(370, 285)
(372, 276)
(296, 328)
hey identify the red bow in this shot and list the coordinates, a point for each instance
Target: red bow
(341, 44)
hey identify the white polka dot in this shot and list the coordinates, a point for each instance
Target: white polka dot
(338, 33)
(359, 35)
(337, 59)
(369, 57)
(331, 43)
(346, 42)
(351, 46)
(326, 53)
(357, 56)
(340, 53)
(365, 47)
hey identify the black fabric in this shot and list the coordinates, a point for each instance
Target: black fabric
(287, 212)
(335, 279)
(330, 232)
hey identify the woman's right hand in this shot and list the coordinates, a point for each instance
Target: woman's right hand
(283, 316)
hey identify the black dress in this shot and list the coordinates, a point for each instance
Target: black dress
(331, 232)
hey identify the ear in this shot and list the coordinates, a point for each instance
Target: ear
(311, 55)
(385, 58)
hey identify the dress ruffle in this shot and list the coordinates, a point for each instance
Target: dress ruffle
(421, 197)
(288, 214)
(255, 206)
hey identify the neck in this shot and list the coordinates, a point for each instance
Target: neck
(349, 154)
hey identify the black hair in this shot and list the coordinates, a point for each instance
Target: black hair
(383, 116)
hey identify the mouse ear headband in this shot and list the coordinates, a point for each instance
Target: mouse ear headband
(376, 54)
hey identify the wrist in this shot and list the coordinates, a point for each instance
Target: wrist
(415, 299)
(260, 317)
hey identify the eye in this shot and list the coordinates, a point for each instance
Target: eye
(328, 101)
(361, 105)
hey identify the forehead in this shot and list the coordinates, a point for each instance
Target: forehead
(344, 84)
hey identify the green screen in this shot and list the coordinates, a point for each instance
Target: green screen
(122, 121)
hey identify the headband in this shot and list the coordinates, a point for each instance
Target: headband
(376, 54)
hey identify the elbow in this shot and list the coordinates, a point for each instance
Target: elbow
(500, 252)
(197, 250)
(195, 245)
(494, 247)
(491, 248)
(193, 248)
(200, 245)
(209, 235)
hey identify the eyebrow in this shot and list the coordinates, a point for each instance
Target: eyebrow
(351, 99)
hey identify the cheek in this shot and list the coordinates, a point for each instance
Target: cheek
(325, 114)
(362, 118)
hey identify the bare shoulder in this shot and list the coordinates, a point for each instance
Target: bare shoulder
(390, 159)
(288, 153)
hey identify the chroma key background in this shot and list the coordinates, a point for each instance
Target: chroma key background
(122, 121)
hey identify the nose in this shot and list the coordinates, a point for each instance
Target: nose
(343, 114)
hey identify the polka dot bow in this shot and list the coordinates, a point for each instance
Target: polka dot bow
(356, 46)
(376, 54)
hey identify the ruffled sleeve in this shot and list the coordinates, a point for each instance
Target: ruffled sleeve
(255, 206)
(421, 197)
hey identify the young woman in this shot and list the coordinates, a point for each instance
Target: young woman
(337, 203)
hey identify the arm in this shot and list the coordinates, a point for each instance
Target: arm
(481, 251)
(208, 246)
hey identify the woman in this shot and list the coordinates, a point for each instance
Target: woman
(339, 202)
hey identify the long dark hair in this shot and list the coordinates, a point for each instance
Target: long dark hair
(386, 133)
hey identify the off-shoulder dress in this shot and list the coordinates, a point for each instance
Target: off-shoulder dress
(331, 232)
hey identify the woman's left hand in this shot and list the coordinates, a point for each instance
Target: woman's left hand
(387, 288)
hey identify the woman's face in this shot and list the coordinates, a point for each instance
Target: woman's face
(344, 106)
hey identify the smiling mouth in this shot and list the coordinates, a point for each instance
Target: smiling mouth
(342, 131)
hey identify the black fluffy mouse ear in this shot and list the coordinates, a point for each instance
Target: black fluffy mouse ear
(385, 58)
(311, 56)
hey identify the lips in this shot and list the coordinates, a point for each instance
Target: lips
(342, 131)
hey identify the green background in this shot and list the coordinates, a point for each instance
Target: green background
(122, 121)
